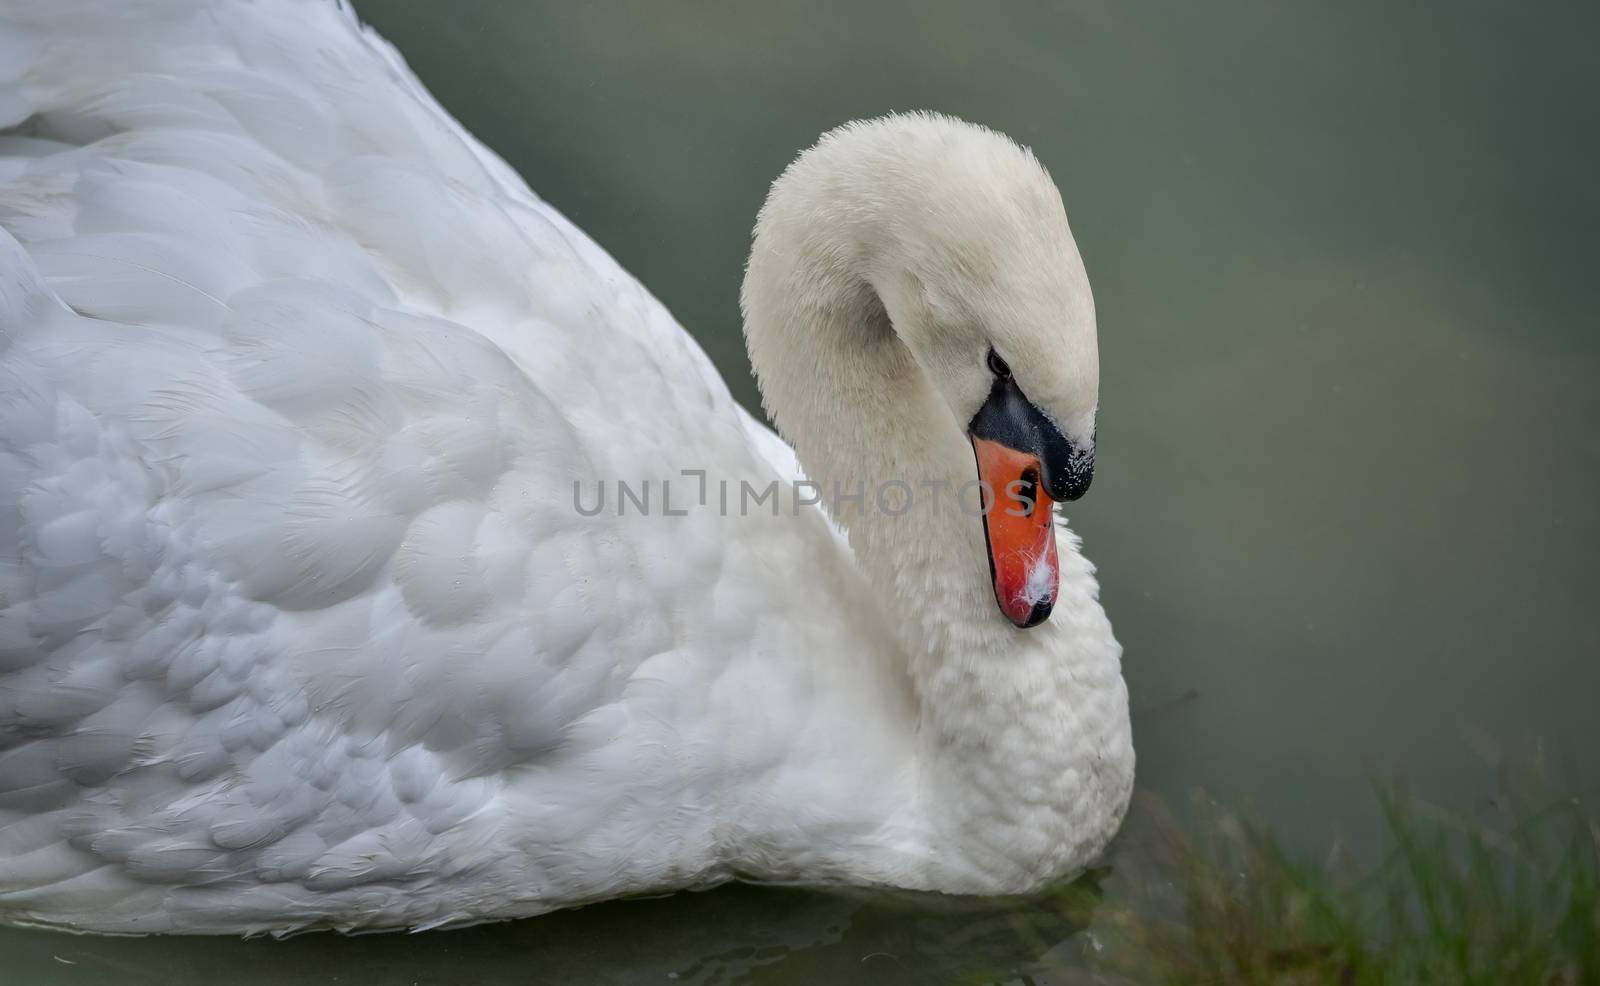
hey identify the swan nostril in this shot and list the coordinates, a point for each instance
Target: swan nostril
(1028, 491)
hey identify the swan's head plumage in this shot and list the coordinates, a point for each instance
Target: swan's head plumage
(921, 270)
(962, 236)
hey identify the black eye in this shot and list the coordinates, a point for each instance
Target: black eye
(998, 366)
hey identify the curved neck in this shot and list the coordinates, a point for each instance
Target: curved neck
(888, 458)
(1023, 759)
(1027, 763)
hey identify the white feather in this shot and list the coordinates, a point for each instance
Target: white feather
(298, 624)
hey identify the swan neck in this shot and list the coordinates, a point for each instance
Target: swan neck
(1022, 762)
(887, 456)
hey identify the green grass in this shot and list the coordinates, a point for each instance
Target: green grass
(1507, 899)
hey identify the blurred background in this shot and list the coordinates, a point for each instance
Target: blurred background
(1345, 511)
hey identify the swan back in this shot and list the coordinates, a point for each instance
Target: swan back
(298, 622)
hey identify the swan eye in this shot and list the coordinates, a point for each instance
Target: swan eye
(998, 366)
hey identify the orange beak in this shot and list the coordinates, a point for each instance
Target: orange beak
(1019, 527)
(1025, 463)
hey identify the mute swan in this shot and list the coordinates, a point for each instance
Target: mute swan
(305, 400)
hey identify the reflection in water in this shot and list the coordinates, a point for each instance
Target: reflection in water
(735, 934)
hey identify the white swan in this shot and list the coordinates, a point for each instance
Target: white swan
(300, 624)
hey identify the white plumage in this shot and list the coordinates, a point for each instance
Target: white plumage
(299, 626)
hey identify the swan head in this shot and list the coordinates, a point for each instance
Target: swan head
(952, 242)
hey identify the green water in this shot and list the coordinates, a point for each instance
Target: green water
(1345, 510)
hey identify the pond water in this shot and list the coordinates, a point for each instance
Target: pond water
(1345, 510)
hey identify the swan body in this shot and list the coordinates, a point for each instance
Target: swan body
(300, 625)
